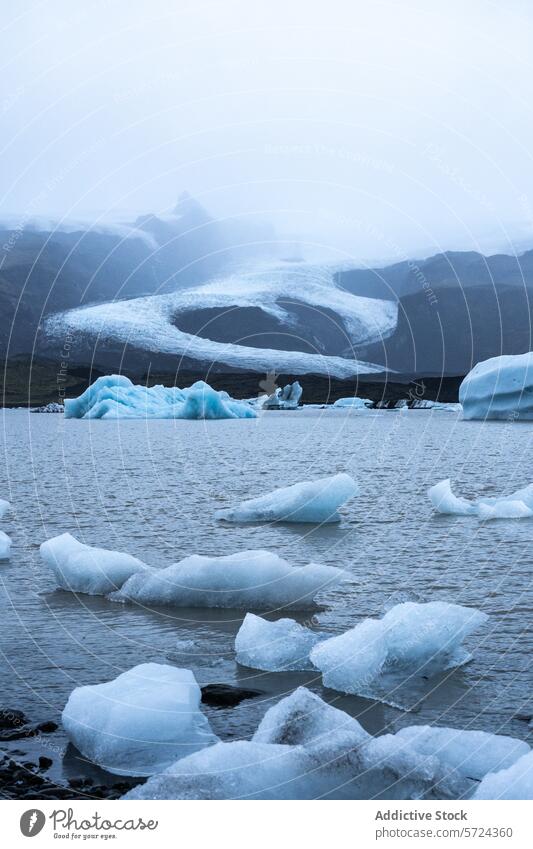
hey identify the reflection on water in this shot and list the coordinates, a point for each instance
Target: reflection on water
(152, 488)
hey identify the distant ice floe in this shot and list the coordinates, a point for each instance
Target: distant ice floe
(315, 502)
(140, 722)
(418, 639)
(287, 398)
(84, 568)
(353, 403)
(499, 388)
(307, 749)
(149, 323)
(274, 646)
(115, 397)
(518, 505)
(256, 580)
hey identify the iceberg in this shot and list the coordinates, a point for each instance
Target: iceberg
(274, 646)
(5, 546)
(287, 398)
(515, 782)
(315, 502)
(140, 722)
(306, 749)
(115, 396)
(411, 638)
(518, 505)
(249, 579)
(471, 753)
(5, 507)
(84, 568)
(499, 388)
(354, 403)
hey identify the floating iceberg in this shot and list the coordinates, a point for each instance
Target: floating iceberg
(306, 749)
(140, 722)
(518, 505)
(5, 506)
(287, 398)
(354, 403)
(5, 546)
(471, 753)
(515, 782)
(83, 568)
(414, 638)
(311, 501)
(250, 579)
(115, 396)
(499, 388)
(274, 646)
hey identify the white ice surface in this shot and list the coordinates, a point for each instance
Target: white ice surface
(84, 568)
(274, 646)
(140, 722)
(353, 403)
(115, 396)
(307, 749)
(419, 639)
(310, 501)
(499, 388)
(517, 505)
(515, 782)
(147, 323)
(257, 580)
(5, 546)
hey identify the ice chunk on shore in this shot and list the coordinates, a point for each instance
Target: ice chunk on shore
(304, 749)
(84, 568)
(140, 722)
(316, 502)
(518, 505)
(353, 403)
(249, 579)
(5, 506)
(471, 753)
(515, 782)
(416, 638)
(5, 546)
(287, 398)
(499, 388)
(274, 646)
(115, 396)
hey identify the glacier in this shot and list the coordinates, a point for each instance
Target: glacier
(87, 569)
(140, 722)
(517, 505)
(305, 748)
(417, 639)
(148, 322)
(499, 388)
(274, 646)
(115, 396)
(313, 502)
(259, 580)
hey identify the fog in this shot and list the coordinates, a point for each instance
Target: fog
(365, 131)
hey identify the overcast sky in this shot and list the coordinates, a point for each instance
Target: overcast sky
(373, 129)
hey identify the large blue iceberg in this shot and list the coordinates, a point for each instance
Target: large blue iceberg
(114, 396)
(499, 388)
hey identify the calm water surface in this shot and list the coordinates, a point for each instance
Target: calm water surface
(152, 488)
